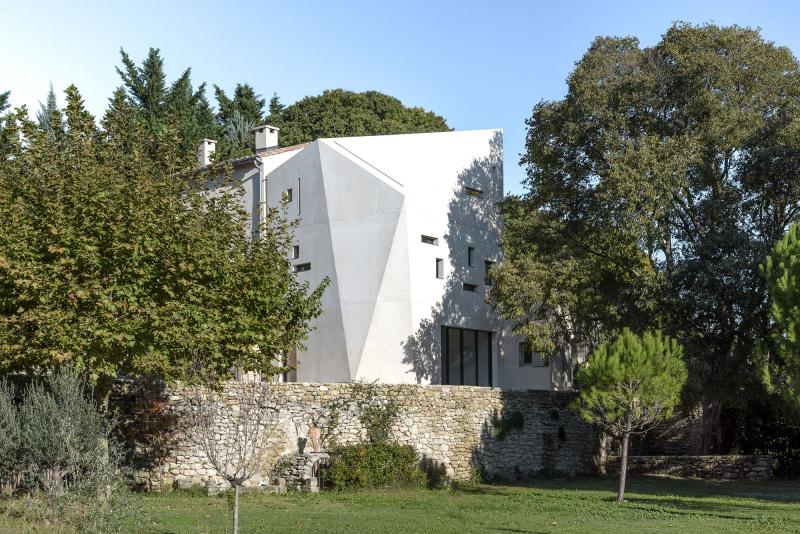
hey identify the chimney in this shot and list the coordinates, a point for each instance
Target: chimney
(266, 137)
(204, 151)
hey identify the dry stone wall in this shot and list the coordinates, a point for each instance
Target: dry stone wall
(730, 467)
(456, 426)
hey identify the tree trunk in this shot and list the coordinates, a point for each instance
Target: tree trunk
(623, 468)
(710, 422)
(236, 509)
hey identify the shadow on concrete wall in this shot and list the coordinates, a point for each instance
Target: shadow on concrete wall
(471, 221)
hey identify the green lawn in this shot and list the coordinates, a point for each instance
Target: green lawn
(585, 505)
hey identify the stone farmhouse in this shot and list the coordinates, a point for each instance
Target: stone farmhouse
(407, 228)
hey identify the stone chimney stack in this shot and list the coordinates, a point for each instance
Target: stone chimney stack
(266, 137)
(204, 151)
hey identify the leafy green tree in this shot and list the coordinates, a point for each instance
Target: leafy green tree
(338, 113)
(782, 272)
(655, 189)
(628, 385)
(112, 262)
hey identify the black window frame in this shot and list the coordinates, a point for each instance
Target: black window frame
(440, 268)
(445, 355)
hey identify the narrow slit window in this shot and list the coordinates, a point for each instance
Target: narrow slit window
(472, 288)
(289, 195)
(473, 192)
(295, 252)
(440, 268)
(428, 240)
(298, 196)
(487, 272)
(302, 267)
(471, 256)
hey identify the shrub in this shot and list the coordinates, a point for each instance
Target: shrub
(70, 463)
(65, 439)
(373, 465)
(9, 435)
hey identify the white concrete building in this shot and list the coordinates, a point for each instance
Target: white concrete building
(406, 228)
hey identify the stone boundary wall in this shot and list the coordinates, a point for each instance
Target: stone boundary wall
(452, 425)
(729, 467)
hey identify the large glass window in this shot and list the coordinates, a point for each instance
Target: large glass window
(466, 357)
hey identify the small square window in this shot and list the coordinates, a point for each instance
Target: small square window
(295, 252)
(472, 288)
(487, 270)
(440, 268)
(428, 240)
(289, 195)
(471, 256)
(528, 358)
(302, 267)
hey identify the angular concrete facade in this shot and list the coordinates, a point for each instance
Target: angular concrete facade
(404, 226)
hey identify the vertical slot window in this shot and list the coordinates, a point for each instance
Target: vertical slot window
(471, 256)
(440, 268)
(487, 273)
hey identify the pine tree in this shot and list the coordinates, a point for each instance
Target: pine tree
(50, 118)
(3, 106)
(245, 100)
(781, 369)
(275, 105)
(237, 136)
(628, 385)
(146, 85)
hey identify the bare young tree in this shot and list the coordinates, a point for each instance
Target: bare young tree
(232, 427)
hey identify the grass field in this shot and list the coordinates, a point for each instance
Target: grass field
(584, 505)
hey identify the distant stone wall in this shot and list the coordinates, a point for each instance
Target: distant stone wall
(452, 425)
(716, 467)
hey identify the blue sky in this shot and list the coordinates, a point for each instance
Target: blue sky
(480, 64)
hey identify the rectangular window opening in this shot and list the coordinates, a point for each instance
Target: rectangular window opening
(471, 256)
(428, 240)
(473, 192)
(298, 196)
(440, 268)
(295, 252)
(472, 288)
(466, 357)
(529, 358)
(289, 195)
(302, 267)
(487, 272)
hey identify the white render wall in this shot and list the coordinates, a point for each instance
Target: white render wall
(363, 204)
